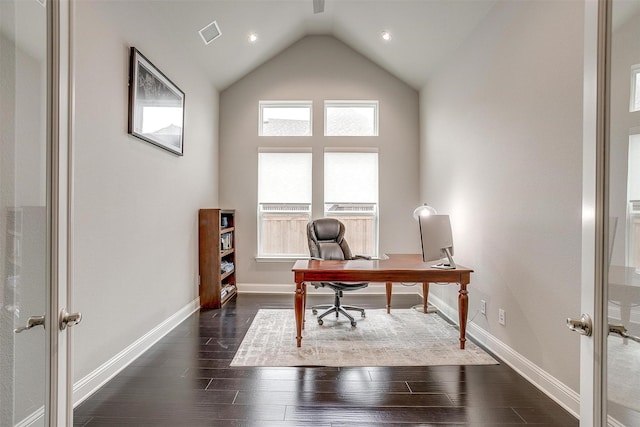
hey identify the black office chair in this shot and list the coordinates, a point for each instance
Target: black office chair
(326, 241)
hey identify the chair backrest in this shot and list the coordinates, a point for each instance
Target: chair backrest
(326, 239)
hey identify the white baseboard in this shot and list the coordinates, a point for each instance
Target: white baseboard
(35, 419)
(552, 387)
(86, 386)
(372, 289)
(612, 422)
(548, 384)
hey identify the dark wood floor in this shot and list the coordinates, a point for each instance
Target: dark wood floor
(185, 380)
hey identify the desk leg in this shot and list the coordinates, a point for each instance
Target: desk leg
(299, 306)
(625, 313)
(463, 307)
(304, 305)
(389, 285)
(425, 296)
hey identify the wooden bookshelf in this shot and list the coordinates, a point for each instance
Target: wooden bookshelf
(217, 256)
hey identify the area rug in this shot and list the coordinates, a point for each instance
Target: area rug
(402, 338)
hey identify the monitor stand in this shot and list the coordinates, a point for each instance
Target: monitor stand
(450, 265)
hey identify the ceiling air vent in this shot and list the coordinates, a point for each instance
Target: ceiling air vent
(210, 32)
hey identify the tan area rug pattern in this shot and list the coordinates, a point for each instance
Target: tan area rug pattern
(405, 337)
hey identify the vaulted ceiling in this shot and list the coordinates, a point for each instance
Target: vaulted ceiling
(422, 32)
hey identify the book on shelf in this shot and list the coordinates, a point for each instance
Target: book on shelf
(226, 290)
(226, 266)
(225, 241)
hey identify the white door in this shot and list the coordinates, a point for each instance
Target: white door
(34, 385)
(610, 357)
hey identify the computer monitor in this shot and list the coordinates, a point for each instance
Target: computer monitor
(437, 240)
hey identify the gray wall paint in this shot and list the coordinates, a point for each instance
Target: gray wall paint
(318, 68)
(499, 148)
(135, 259)
(501, 152)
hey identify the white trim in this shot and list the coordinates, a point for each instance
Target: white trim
(285, 150)
(285, 104)
(612, 422)
(635, 70)
(36, 418)
(88, 385)
(595, 196)
(292, 259)
(545, 382)
(57, 410)
(375, 104)
(351, 150)
(552, 387)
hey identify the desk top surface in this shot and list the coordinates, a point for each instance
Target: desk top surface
(393, 262)
(624, 276)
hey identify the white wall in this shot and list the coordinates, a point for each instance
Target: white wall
(500, 149)
(318, 68)
(501, 152)
(135, 247)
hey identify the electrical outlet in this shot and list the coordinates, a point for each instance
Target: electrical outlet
(483, 307)
(502, 317)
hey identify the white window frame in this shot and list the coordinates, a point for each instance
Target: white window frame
(635, 71)
(353, 103)
(284, 104)
(285, 208)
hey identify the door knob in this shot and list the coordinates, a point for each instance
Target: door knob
(31, 322)
(583, 326)
(622, 331)
(69, 319)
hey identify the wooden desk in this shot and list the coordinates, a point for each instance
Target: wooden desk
(397, 268)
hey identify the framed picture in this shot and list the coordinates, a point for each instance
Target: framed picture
(156, 106)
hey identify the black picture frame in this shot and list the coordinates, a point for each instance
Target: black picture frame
(156, 105)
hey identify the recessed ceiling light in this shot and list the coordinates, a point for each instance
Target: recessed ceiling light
(386, 36)
(253, 37)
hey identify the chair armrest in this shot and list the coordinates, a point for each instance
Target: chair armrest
(361, 257)
(315, 258)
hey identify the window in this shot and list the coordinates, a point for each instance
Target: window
(284, 202)
(351, 195)
(285, 118)
(635, 88)
(351, 118)
(633, 203)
